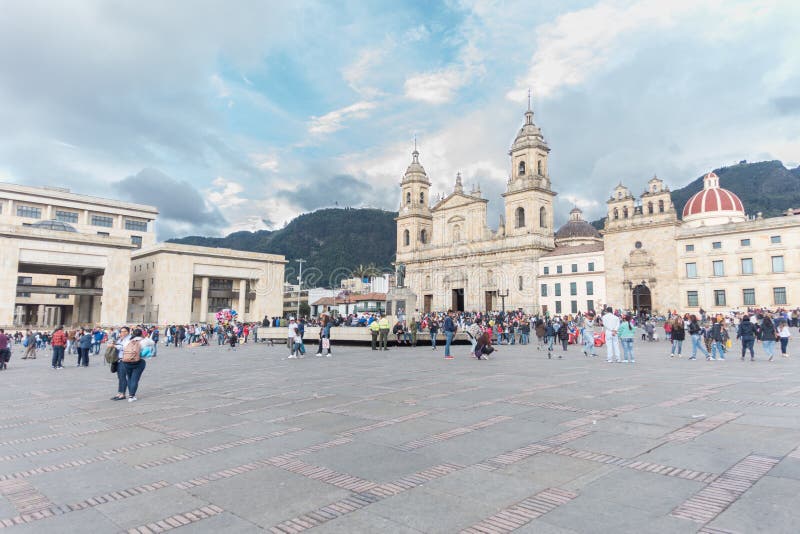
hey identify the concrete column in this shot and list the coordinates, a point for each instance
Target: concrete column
(204, 298)
(242, 297)
(40, 315)
(116, 282)
(58, 316)
(9, 263)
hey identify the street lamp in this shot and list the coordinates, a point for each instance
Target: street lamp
(299, 285)
(503, 296)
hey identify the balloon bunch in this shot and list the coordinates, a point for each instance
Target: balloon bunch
(226, 316)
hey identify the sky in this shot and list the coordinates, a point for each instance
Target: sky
(242, 114)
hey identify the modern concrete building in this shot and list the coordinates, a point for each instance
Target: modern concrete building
(67, 259)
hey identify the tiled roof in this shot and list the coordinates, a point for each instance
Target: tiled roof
(578, 249)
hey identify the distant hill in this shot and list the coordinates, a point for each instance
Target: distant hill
(766, 186)
(332, 241)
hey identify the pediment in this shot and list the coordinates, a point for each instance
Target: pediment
(458, 200)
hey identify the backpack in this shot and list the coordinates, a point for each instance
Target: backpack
(132, 352)
(111, 354)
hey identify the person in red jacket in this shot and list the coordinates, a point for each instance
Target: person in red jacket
(59, 343)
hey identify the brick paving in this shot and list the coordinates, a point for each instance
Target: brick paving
(249, 441)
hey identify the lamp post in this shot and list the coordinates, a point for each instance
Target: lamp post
(503, 296)
(299, 285)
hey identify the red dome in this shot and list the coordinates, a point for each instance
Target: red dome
(712, 198)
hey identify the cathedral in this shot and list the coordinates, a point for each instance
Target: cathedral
(646, 258)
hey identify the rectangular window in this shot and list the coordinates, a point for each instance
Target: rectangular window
(589, 305)
(558, 306)
(573, 305)
(719, 297)
(691, 299)
(689, 248)
(775, 239)
(102, 220)
(590, 288)
(573, 288)
(547, 270)
(24, 281)
(215, 304)
(104, 234)
(29, 212)
(544, 290)
(744, 242)
(749, 297)
(137, 226)
(559, 269)
(719, 268)
(747, 265)
(66, 216)
(574, 267)
(716, 245)
(558, 290)
(779, 295)
(591, 267)
(137, 240)
(691, 270)
(62, 282)
(222, 284)
(777, 264)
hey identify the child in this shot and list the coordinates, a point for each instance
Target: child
(233, 339)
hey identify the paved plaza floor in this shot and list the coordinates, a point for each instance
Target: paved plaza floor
(403, 441)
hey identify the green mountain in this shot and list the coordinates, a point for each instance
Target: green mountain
(334, 242)
(767, 187)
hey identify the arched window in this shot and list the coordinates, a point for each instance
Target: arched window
(650, 207)
(406, 238)
(423, 236)
(456, 233)
(408, 198)
(519, 283)
(521, 168)
(625, 212)
(616, 214)
(619, 195)
(660, 206)
(427, 282)
(539, 167)
(490, 278)
(542, 217)
(422, 197)
(519, 217)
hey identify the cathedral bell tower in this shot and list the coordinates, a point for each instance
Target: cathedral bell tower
(414, 220)
(528, 197)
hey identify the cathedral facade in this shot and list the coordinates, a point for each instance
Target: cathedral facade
(646, 259)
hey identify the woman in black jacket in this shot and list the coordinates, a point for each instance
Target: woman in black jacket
(678, 335)
(563, 334)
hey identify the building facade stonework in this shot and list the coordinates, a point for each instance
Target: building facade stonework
(647, 258)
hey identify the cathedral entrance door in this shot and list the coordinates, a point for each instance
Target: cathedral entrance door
(489, 301)
(427, 303)
(642, 299)
(457, 300)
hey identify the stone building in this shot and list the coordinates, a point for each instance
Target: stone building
(75, 259)
(453, 260)
(715, 257)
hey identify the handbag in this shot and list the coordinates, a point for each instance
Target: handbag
(326, 343)
(114, 366)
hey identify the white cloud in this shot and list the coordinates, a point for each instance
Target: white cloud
(333, 121)
(225, 193)
(266, 162)
(583, 203)
(435, 87)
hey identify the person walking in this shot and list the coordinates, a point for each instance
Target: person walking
(611, 326)
(85, 342)
(122, 380)
(746, 333)
(768, 336)
(59, 343)
(677, 335)
(716, 335)
(449, 328)
(29, 342)
(383, 331)
(5, 349)
(413, 327)
(563, 336)
(626, 334)
(697, 338)
(433, 328)
(784, 334)
(133, 363)
(325, 336)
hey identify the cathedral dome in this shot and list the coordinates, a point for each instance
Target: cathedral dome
(713, 205)
(576, 231)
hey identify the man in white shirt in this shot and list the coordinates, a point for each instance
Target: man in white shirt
(291, 334)
(611, 325)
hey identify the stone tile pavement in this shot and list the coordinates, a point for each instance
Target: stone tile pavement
(402, 441)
